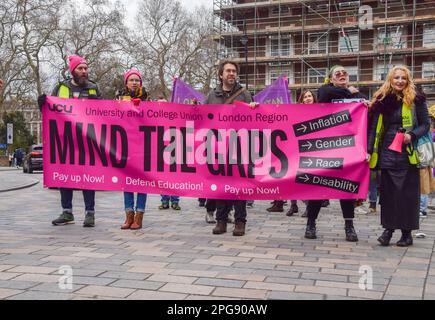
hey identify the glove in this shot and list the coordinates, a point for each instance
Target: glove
(136, 101)
(41, 101)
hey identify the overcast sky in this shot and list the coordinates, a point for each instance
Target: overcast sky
(131, 6)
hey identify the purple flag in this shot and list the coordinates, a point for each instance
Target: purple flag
(185, 94)
(276, 93)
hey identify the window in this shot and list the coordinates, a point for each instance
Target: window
(277, 10)
(382, 2)
(273, 72)
(317, 43)
(382, 68)
(316, 75)
(349, 41)
(348, 4)
(322, 7)
(428, 70)
(280, 46)
(428, 88)
(391, 38)
(429, 35)
(353, 73)
(381, 72)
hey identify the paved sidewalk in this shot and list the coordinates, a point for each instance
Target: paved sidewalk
(10, 179)
(175, 256)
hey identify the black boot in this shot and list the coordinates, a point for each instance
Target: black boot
(293, 209)
(278, 206)
(406, 239)
(350, 231)
(325, 203)
(385, 238)
(310, 231)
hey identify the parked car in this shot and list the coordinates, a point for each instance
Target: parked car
(33, 159)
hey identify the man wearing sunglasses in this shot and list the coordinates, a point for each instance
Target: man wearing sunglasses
(336, 88)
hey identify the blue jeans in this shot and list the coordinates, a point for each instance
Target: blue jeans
(66, 196)
(373, 191)
(173, 199)
(424, 202)
(140, 202)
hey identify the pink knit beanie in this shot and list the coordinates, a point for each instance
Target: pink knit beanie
(130, 72)
(74, 61)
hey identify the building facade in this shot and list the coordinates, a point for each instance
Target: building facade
(32, 116)
(304, 38)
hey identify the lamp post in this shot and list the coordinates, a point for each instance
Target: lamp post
(244, 41)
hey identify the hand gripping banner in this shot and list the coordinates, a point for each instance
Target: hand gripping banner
(290, 151)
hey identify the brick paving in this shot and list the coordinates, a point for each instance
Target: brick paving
(175, 255)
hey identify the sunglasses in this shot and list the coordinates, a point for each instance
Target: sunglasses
(340, 72)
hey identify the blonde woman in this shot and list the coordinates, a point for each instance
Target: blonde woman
(396, 107)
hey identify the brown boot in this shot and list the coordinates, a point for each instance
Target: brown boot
(137, 224)
(221, 227)
(129, 219)
(239, 229)
(278, 206)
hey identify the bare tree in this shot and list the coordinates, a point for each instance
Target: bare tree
(171, 44)
(39, 21)
(96, 32)
(10, 69)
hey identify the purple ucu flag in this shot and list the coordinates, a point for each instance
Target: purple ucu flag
(276, 93)
(185, 94)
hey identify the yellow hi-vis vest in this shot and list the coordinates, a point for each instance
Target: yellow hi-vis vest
(124, 98)
(64, 92)
(407, 124)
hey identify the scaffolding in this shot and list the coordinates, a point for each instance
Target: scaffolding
(304, 38)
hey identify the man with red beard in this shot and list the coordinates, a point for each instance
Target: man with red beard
(79, 86)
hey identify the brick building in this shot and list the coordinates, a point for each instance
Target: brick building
(303, 38)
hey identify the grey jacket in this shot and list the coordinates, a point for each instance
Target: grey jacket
(218, 96)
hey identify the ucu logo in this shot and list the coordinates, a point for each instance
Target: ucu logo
(60, 108)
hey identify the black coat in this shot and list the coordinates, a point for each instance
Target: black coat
(84, 90)
(391, 108)
(329, 92)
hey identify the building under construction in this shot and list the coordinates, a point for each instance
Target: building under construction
(303, 39)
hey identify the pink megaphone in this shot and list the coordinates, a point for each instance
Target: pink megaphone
(397, 143)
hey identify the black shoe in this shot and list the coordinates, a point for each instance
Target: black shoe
(65, 218)
(202, 204)
(310, 232)
(164, 206)
(385, 238)
(89, 221)
(325, 203)
(351, 234)
(293, 209)
(405, 240)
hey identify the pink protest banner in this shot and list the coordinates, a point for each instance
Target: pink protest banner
(212, 151)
